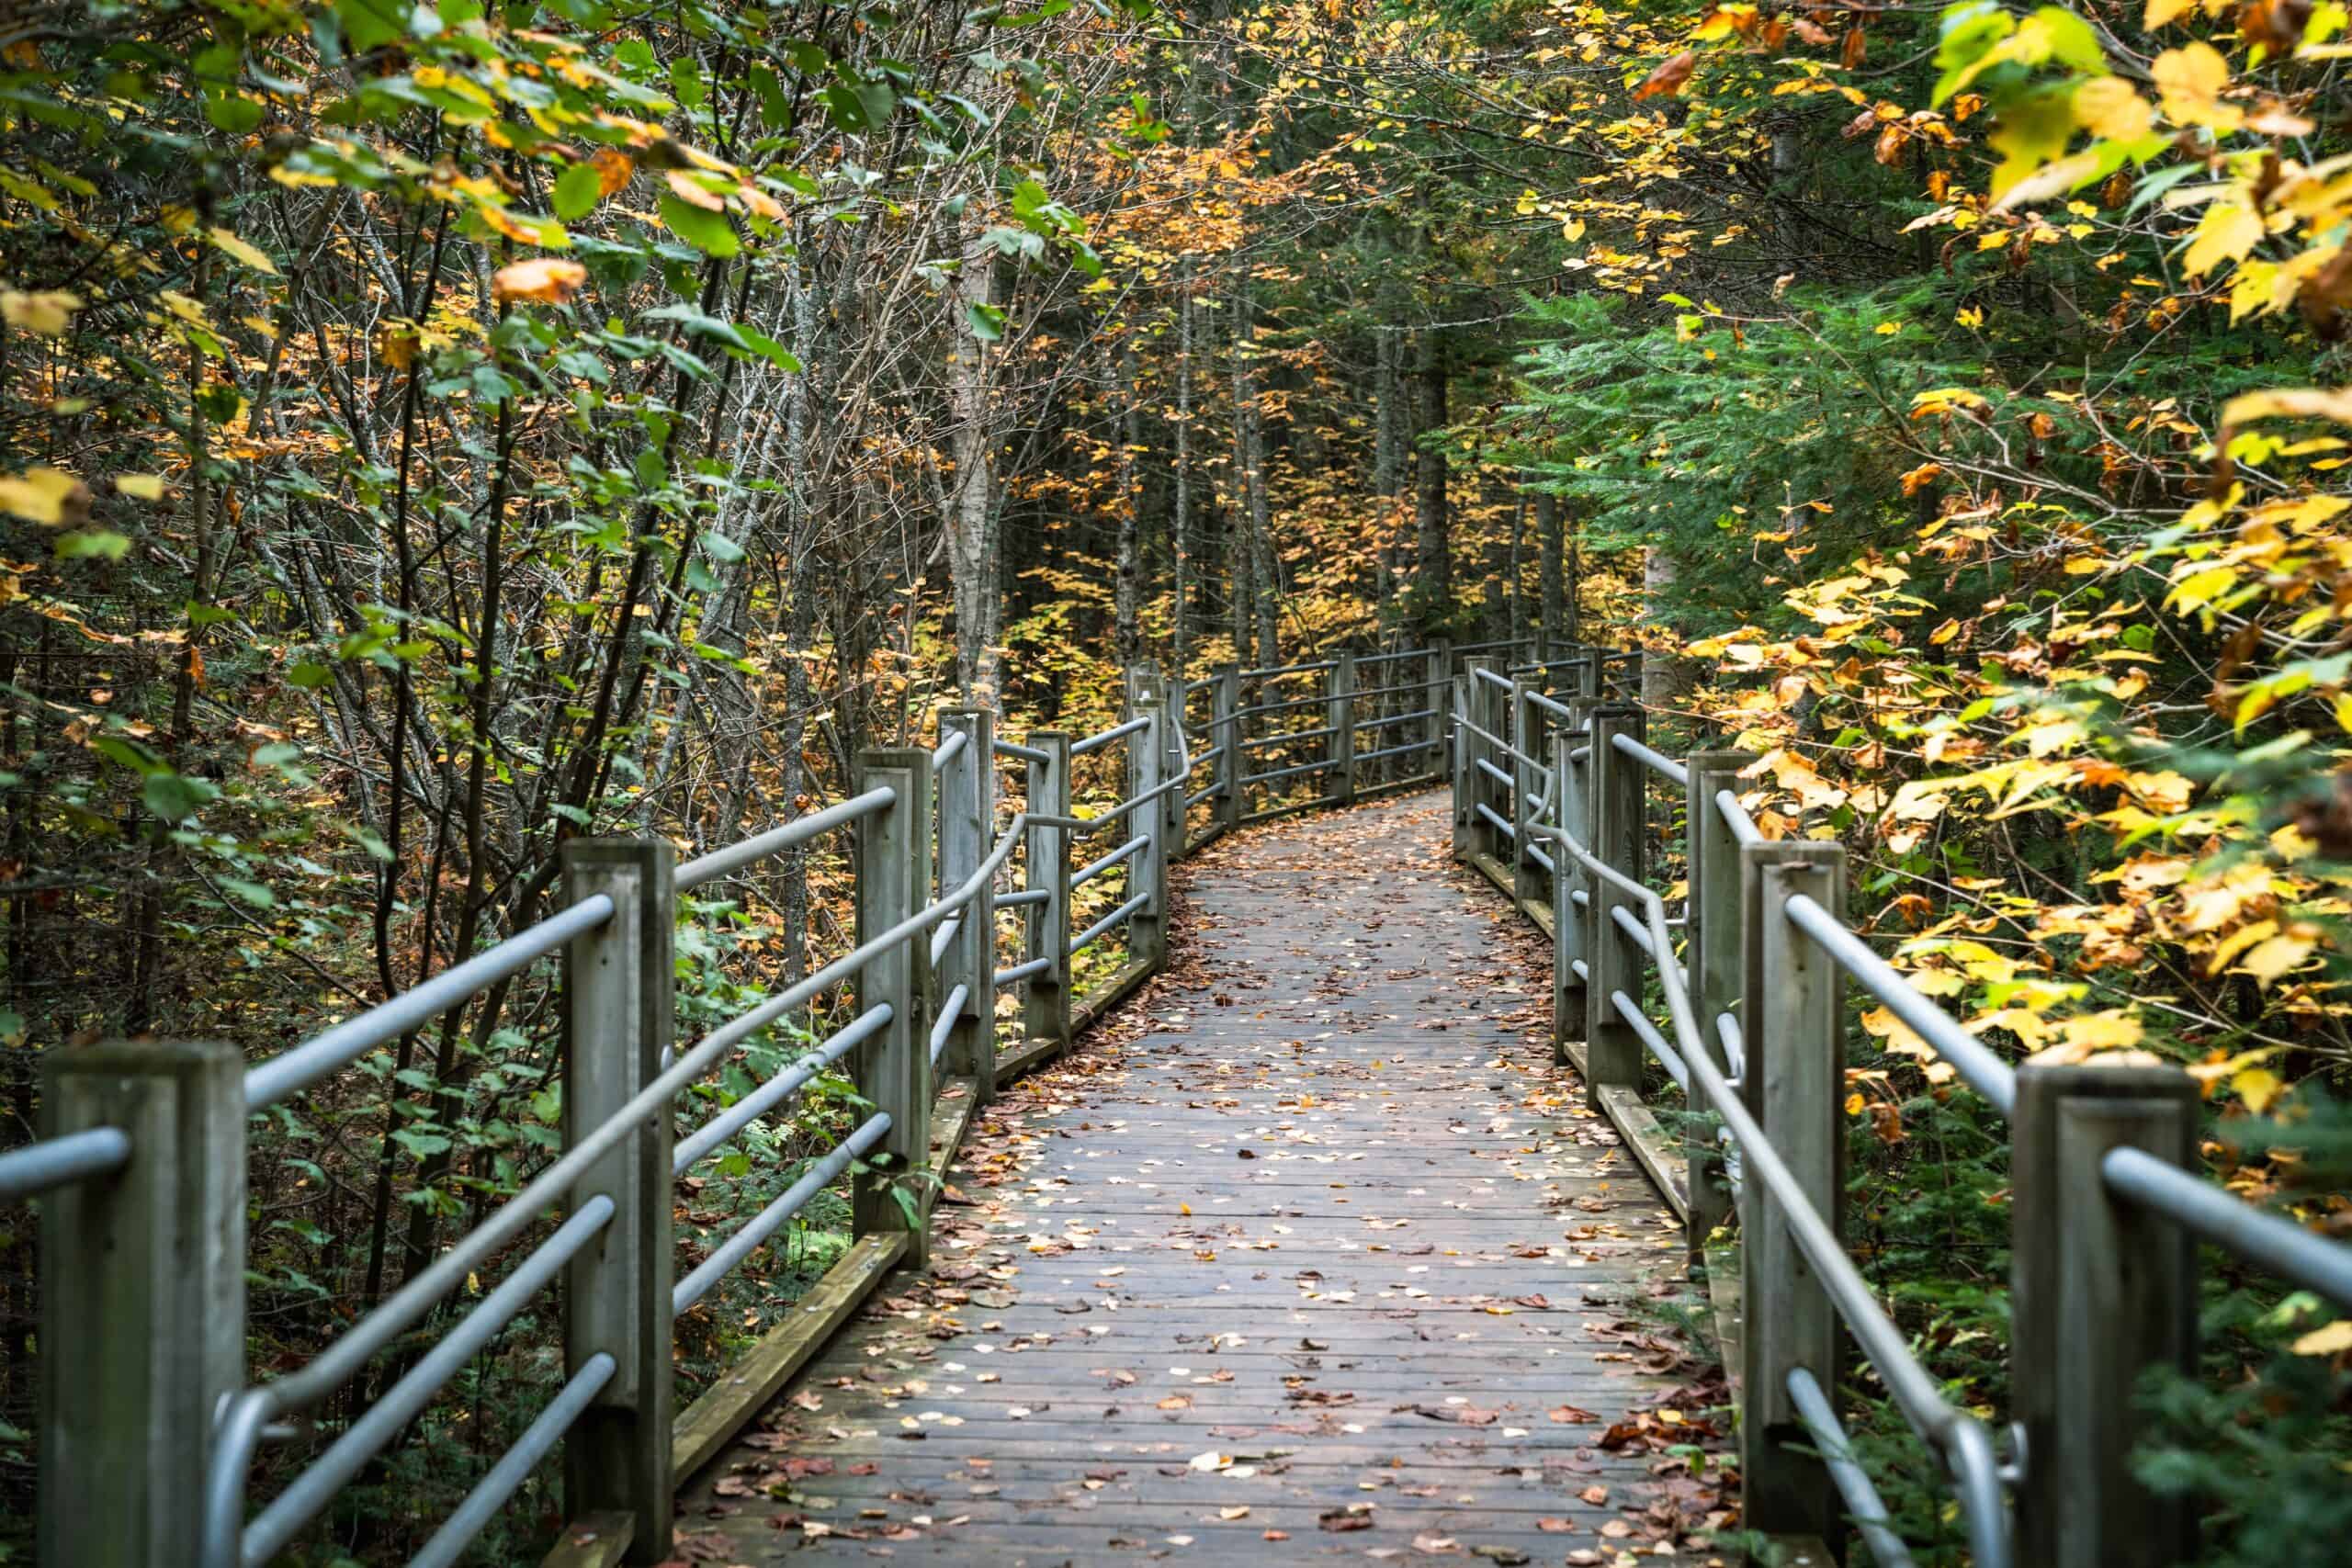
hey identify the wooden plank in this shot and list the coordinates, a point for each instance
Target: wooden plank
(1090, 1008)
(1660, 1154)
(595, 1541)
(1725, 1311)
(726, 1406)
(951, 1119)
(1029, 1053)
(1332, 1211)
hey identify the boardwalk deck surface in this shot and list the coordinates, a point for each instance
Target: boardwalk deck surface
(1308, 1254)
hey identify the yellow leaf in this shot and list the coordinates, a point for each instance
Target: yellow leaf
(47, 496)
(2289, 403)
(2275, 957)
(140, 487)
(2162, 11)
(2113, 1029)
(2228, 231)
(2258, 1086)
(2109, 107)
(249, 254)
(48, 313)
(2332, 1340)
(2191, 81)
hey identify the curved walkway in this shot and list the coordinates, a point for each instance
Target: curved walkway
(1307, 1253)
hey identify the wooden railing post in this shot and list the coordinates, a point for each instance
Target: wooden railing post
(1527, 731)
(1175, 761)
(1795, 1081)
(1342, 717)
(1148, 869)
(892, 1066)
(1590, 683)
(143, 1320)
(1458, 756)
(2101, 1293)
(1487, 711)
(1571, 1008)
(1438, 675)
(1716, 943)
(967, 808)
(1225, 729)
(1044, 1007)
(1612, 1050)
(619, 1012)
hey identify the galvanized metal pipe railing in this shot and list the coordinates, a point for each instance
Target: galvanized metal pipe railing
(775, 841)
(47, 1164)
(768, 1221)
(1958, 1438)
(327, 1052)
(1104, 738)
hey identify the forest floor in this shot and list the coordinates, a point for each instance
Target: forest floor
(1308, 1252)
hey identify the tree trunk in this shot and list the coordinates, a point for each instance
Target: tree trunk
(1516, 584)
(1180, 517)
(1127, 594)
(1432, 593)
(1551, 635)
(972, 520)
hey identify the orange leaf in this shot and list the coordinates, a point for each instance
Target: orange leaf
(1668, 79)
(545, 279)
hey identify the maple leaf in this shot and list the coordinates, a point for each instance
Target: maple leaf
(545, 281)
(1668, 79)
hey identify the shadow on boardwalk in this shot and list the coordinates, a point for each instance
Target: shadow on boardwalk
(1307, 1254)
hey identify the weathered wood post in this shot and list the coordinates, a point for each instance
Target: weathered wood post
(1438, 677)
(2101, 1292)
(1716, 943)
(1459, 757)
(967, 808)
(1612, 1050)
(1147, 868)
(1527, 731)
(1225, 731)
(1591, 682)
(1340, 714)
(1487, 721)
(619, 1013)
(892, 1066)
(143, 1311)
(1175, 762)
(1571, 961)
(1044, 1007)
(1795, 1081)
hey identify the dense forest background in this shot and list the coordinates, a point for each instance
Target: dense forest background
(429, 432)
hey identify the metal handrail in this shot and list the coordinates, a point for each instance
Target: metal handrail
(1104, 738)
(944, 753)
(766, 1223)
(1864, 1505)
(1976, 1065)
(721, 1129)
(951, 1007)
(292, 1071)
(1326, 766)
(1280, 670)
(1363, 757)
(1259, 743)
(1096, 930)
(1319, 700)
(1387, 719)
(2258, 1236)
(1024, 753)
(50, 1163)
(1958, 1439)
(1481, 672)
(1093, 869)
(735, 856)
(1091, 825)
(1655, 762)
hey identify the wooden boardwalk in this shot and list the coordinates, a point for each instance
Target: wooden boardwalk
(1307, 1253)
